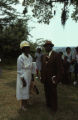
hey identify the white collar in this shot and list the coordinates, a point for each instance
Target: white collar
(50, 53)
(24, 56)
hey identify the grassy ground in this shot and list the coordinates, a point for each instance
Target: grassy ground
(9, 106)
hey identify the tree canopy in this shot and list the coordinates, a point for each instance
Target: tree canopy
(11, 36)
(44, 10)
(13, 29)
(7, 11)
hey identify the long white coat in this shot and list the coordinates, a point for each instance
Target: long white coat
(24, 69)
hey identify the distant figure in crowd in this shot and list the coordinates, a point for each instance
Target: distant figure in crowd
(76, 65)
(38, 56)
(70, 59)
(66, 66)
(61, 55)
(24, 74)
(51, 74)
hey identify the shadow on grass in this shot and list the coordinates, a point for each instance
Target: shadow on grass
(11, 84)
(37, 111)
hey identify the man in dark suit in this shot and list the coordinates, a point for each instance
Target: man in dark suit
(51, 74)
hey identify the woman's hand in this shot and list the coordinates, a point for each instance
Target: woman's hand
(32, 79)
(24, 82)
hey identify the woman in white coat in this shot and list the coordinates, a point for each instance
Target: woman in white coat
(24, 74)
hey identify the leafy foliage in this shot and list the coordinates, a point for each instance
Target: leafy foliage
(64, 16)
(13, 30)
(7, 11)
(75, 13)
(11, 36)
(44, 10)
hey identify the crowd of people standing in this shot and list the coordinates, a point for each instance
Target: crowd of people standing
(51, 68)
(70, 66)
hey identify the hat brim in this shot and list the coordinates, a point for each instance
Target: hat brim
(24, 46)
(48, 44)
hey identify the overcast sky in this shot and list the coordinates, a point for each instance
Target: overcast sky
(59, 35)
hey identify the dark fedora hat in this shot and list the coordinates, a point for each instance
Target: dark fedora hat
(47, 42)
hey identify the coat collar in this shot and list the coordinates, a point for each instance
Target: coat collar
(50, 53)
(24, 56)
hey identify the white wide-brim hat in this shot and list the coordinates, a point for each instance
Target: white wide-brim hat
(24, 44)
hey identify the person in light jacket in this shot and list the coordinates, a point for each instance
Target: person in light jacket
(24, 74)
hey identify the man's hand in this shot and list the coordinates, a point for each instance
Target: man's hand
(24, 82)
(54, 79)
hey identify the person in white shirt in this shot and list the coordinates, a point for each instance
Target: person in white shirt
(24, 74)
(38, 56)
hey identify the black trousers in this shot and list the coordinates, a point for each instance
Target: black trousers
(51, 95)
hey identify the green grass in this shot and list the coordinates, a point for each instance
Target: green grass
(9, 106)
